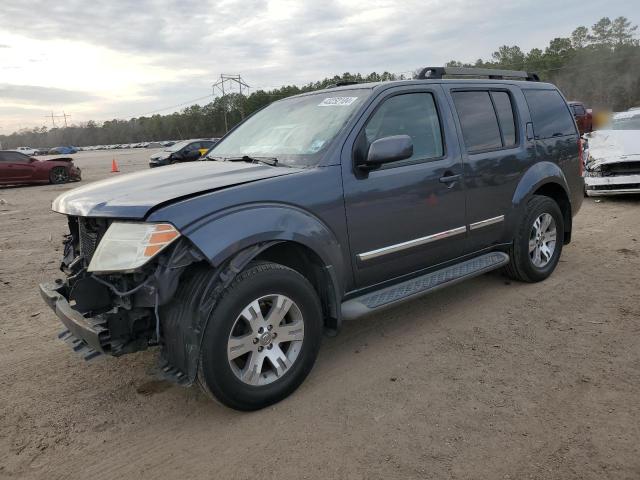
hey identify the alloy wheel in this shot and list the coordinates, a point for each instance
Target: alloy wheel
(60, 175)
(265, 339)
(542, 240)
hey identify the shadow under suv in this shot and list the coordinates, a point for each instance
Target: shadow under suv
(317, 209)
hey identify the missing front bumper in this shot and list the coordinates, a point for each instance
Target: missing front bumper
(88, 336)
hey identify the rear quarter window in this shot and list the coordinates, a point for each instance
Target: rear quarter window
(550, 114)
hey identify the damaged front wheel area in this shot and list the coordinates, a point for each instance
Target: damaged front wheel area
(262, 337)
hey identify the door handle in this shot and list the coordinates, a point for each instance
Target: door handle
(450, 179)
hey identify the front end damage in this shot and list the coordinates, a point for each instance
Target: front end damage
(612, 166)
(114, 313)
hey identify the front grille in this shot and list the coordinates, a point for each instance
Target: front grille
(90, 232)
(621, 168)
(620, 186)
(88, 242)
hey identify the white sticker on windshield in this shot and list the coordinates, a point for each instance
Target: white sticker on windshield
(337, 101)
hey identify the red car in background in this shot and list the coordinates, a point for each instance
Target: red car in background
(583, 116)
(17, 168)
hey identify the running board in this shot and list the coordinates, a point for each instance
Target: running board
(386, 297)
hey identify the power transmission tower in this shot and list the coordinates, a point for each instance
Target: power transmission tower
(229, 81)
(53, 122)
(53, 117)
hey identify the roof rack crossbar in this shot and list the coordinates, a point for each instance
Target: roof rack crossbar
(438, 72)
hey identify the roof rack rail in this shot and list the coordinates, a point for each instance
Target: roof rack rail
(342, 84)
(437, 73)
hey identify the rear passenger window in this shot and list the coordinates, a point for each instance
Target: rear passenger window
(551, 117)
(478, 120)
(15, 157)
(578, 110)
(504, 110)
(412, 114)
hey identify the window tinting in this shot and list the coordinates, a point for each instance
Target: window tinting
(14, 157)
(502, 102)
(551, 117)
(478, 120)
(412, 114)
(578, 109)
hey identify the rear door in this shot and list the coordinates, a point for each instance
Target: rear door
(406, 215)
(491, 123)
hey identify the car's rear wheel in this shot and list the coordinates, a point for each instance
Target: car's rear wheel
(58, 175)
(538, 242)
(262, 337)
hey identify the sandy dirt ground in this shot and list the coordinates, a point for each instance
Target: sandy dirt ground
(490, 379)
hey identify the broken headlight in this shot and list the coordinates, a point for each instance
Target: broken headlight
(128, 245)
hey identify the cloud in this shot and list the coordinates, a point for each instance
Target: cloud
(42, 95)
(136, 56)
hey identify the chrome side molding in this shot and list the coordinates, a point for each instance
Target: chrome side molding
(486, 222)
(410, 244)
(428, 239)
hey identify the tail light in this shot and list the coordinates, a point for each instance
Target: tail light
(580, 156)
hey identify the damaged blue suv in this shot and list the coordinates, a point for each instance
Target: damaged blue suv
(319, 208)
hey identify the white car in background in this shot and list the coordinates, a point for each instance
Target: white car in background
(612, 166)
(26, 150)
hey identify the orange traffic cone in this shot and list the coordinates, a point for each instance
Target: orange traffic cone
(114, 166)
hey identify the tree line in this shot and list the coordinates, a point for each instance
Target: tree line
(599, 65)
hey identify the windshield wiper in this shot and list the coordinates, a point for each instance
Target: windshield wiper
(272, 161)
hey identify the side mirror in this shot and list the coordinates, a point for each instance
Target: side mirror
(388, 149)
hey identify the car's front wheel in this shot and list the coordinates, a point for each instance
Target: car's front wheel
(262, 337)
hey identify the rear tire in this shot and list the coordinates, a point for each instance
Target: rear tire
(58, 175)
(537, 245)
(250, 359)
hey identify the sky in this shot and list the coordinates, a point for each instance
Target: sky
(127, 58)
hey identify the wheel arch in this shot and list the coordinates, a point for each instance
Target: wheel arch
(546, 179)
(310, 265)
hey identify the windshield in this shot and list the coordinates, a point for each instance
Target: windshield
(177, 146)
(626, 121)
(294, 130)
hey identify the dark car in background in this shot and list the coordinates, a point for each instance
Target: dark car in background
(17, 168)
(319, 208)
(583, 116)
(185, 151)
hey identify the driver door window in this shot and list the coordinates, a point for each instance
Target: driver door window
(412, 114)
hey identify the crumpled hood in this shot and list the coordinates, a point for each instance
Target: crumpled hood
(612, 146)
(133, 195)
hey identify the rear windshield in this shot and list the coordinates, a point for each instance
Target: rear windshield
(551, 117)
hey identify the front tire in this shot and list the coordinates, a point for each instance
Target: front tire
(262, 338)
(538, 241)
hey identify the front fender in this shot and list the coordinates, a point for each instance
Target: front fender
(222, 235)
